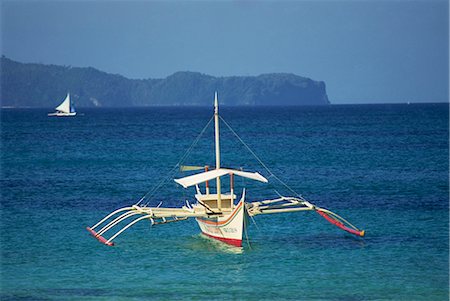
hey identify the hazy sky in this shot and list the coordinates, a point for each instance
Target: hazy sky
(365, 51)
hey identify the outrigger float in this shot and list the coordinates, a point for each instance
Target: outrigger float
(218, 214)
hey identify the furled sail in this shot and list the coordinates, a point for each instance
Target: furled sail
(190, 167)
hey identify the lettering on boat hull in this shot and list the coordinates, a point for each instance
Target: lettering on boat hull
(228, 228)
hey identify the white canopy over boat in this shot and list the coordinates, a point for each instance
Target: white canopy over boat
(213, 174)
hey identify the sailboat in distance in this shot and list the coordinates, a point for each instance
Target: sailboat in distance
(65, 109)
(220, 214)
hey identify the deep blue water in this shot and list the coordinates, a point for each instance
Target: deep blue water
(383, 167)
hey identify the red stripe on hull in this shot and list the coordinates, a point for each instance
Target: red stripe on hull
(100, 238)
(230, 241)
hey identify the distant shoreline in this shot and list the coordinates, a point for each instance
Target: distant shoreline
(232, 106)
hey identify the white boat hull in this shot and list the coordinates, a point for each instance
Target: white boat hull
(228, 228)
(60, 114)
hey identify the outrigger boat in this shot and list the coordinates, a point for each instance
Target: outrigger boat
(218, 214)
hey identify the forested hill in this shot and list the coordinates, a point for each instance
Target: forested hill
(38, 85)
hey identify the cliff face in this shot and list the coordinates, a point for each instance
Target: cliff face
(37, 85)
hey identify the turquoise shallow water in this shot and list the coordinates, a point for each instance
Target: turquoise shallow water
(383, 167)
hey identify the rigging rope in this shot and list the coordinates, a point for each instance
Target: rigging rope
(169, 175)
(271, 174)
(328, 215)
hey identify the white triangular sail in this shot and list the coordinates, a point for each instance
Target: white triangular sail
(65, 105)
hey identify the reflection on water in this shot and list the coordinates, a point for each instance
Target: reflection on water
(200, 242)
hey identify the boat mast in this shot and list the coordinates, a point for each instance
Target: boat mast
(216, 128)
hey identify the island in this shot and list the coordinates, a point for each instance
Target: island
(39, 85)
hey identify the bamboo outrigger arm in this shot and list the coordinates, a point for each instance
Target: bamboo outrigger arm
(279, 205)
(293, 204)
(124, 218)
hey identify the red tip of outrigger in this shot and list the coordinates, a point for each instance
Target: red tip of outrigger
(100, 238)
(339, 224)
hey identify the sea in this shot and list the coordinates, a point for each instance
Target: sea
(384, 168)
